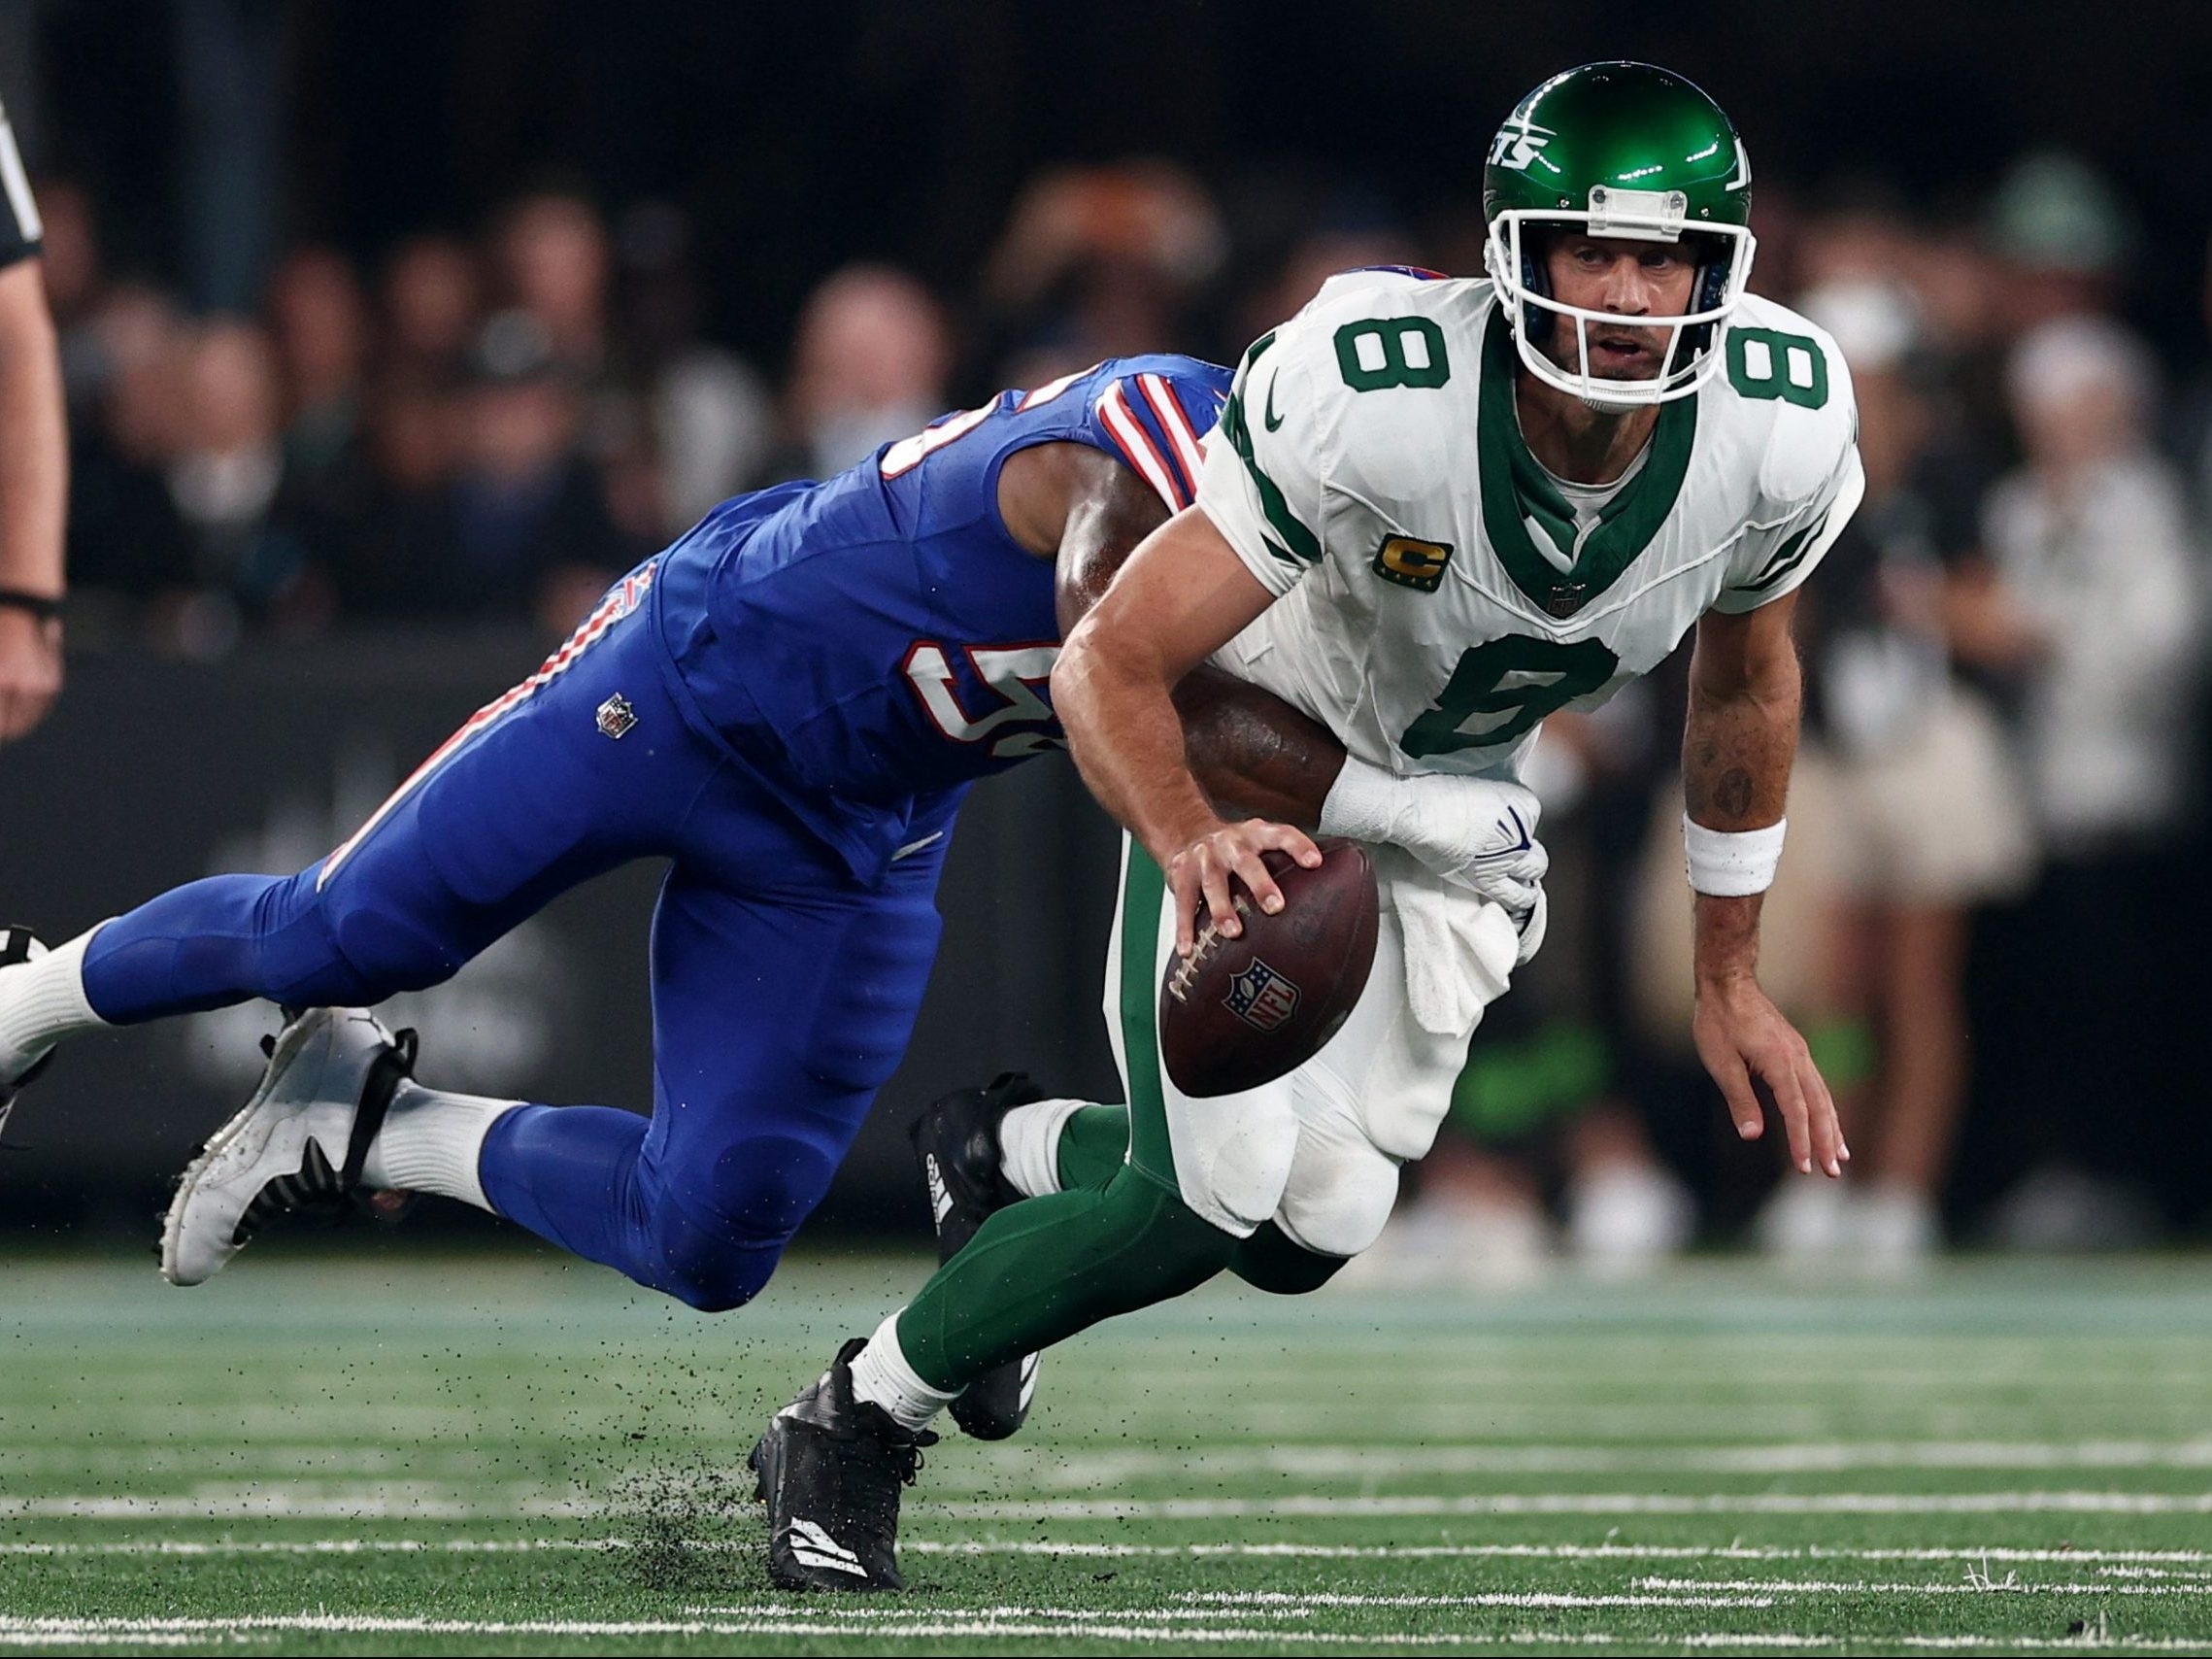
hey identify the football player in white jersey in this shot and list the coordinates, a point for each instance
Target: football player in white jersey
(1436, 511)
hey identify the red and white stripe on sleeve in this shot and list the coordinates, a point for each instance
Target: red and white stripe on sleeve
(1154, 433)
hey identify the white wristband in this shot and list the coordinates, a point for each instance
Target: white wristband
(1732, 864)
(1362, 804)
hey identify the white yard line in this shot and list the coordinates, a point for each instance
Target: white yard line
(1767, 1587)
(109, 1638)
(1231, 1605)
(1586, 1503)
(814, 1621)
(1972, 1554)
(279, 1503)
(920, 1626)
(2051, 1644)
(2009, 1585)
(2115, 1563)
(1351, 1461)
(257, 1501)
(341, 1546)
(991, 1468)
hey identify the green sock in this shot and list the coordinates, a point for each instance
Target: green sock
(1094, 1145)
(1042, 1269)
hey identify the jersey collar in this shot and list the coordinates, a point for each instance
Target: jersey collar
(1516, 490)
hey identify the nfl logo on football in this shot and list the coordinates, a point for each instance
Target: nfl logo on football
(1261, 997)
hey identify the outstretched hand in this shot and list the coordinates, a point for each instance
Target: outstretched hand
(1201, 870)
(1742, 1036)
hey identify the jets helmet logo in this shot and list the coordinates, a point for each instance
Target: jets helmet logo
(1261, 997)
(1518, 143)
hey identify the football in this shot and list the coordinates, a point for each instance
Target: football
(1237, 1013)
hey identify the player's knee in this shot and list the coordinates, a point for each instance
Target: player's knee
(379, 953)
(759, 1189)
(1171, 1247)
(1338, 1197)
(721, 1233)
(712, 1275)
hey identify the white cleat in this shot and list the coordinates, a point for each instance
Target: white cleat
(297, 1144)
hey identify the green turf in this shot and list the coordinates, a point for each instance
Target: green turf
(344, 1454)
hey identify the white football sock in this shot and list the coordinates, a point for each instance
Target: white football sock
(431, 1141)
(1029, 1145)
(882, 1375)
(41, 1002)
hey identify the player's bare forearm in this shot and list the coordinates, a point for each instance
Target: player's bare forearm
(34, 443)
(1246, 749)
(34, 486)
(1116, 700)
(1737, 749)
(1182, 595)
(1745, 689)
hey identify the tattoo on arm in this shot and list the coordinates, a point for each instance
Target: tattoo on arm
(1717, 794)
(1737, 749)
(1736, 753)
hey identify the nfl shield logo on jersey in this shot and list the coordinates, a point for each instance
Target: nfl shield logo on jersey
(617, 716)
(1261, 997)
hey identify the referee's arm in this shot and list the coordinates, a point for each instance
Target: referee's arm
(34, 462)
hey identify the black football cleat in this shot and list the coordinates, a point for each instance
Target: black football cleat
(830, 1470)
(956, 1142)
(18, 945)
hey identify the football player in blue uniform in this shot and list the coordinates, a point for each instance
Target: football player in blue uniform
(790, 703)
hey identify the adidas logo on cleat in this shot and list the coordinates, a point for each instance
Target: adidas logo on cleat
(940, 1199)
(812, 1547)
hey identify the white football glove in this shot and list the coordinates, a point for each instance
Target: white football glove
(1479, 832)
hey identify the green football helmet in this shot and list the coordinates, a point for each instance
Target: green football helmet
(1619, 149)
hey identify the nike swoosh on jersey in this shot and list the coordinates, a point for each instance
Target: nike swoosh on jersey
(1272, 420)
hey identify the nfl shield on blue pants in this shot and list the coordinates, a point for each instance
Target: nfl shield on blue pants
(784, 988)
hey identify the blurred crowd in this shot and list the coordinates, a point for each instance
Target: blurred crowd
(1997, 820)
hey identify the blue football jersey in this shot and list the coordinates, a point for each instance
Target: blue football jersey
(878, 636)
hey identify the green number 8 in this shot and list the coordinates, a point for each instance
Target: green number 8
(1775, 372)
(1389, 361)
(1547, 676)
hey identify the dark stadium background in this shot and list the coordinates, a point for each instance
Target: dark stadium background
(796, 139)
(800, 137)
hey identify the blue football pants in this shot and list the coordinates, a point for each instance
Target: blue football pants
(784, 989)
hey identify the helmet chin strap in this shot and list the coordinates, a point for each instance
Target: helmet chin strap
(1604, 406)
(1588, 389)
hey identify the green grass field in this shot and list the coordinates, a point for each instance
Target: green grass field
(388, 1452)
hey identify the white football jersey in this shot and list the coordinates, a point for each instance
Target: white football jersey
(1437, 594)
